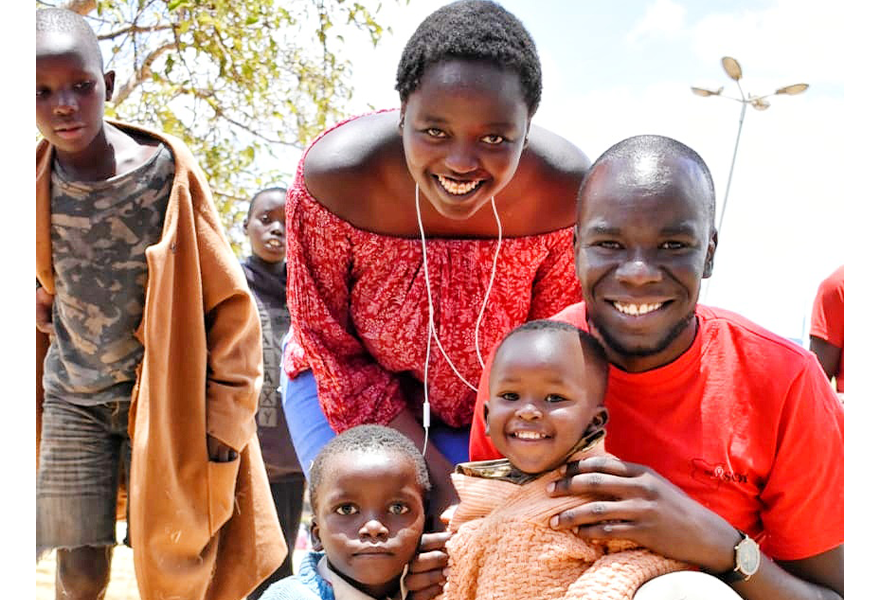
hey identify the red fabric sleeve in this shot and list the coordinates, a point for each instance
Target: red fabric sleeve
(556, 285)
(352, 387)
(804, 491)
(480, 446)
(827, 319)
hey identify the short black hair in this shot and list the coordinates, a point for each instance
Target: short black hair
(593, 352)
(650, 145)
(471, 30)
(367, 438)
(260, 193)
(61, 20)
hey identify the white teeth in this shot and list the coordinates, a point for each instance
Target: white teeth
(453, 187)
(637, 309)
(529, 435)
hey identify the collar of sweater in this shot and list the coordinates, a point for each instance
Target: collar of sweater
(590, 445)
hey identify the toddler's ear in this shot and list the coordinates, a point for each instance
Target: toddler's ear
(600, 419)
(315, 534)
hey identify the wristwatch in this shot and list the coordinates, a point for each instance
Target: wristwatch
(747, 559)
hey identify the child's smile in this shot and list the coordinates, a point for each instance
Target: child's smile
(543, 397)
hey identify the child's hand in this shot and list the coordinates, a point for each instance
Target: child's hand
(44, 311)
(220, 452)
(427, 569)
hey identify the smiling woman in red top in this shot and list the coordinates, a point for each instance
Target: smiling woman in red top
(427, 232)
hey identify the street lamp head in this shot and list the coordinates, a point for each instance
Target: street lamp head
(791, 90)
(706, 93)
(732, 68)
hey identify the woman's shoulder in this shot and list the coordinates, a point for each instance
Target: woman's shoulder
(549, 175)
(555, 156)
(346, 165)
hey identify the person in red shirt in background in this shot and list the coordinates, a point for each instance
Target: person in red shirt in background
(826, 327)
(730, 439)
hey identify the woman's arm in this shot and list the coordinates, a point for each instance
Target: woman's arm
(352, 387)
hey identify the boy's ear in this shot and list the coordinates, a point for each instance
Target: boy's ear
(109, 84)
(315, 534)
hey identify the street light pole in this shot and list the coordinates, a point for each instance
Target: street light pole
(734, 71)
(742, 117)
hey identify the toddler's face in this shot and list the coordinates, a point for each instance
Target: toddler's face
(370, 517)
(542, 398)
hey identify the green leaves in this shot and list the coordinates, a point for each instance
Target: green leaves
(243, 82)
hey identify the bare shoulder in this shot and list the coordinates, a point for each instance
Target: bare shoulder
(547, 181)
(343, 169)
(557, 157)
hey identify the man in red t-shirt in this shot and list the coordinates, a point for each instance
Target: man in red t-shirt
(826, 327)
(730, 434)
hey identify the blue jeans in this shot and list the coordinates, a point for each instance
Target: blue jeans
(310, 430)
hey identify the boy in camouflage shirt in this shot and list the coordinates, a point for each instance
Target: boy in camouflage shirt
(118, 206)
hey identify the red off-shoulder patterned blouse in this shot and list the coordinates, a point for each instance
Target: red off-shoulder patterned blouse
(359, 308)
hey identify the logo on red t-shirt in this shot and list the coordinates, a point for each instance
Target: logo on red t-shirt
(713, 475)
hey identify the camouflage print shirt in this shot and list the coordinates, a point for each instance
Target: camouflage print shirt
(100, 231)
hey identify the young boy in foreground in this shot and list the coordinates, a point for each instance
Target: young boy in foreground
(154, 351)
(368, 488)
(547, 385)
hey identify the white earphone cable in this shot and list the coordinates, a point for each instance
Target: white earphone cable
(432, 331)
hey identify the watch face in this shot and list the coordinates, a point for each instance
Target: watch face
(748, 557)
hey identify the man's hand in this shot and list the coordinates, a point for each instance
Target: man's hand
(220, 452)
(632, 502)
(44, 311)
(427, 572)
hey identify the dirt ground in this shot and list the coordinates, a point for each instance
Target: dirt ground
(123, 585)
(122, 582)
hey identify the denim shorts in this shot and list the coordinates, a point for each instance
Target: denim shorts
(84, 450)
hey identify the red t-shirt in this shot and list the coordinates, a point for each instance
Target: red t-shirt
(744, 422)
(827, 320)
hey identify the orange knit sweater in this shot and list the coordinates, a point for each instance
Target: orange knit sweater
(503, 547)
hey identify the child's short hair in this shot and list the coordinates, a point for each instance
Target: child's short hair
(61, 20)
(593, 352)
(368, 438)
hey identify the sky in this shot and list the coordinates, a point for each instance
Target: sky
(616, 69)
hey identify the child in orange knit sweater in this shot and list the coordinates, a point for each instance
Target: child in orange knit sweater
(547, 385)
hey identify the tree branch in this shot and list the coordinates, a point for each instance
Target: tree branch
(218, 111)
(133, 29)
(141, 74)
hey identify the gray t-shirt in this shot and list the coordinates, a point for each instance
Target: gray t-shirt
(100, 231)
